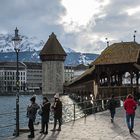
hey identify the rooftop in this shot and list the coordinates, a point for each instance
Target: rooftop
(10, 65)
(119, 53)
(87, 73)
(81, 67)
(33, 65)
(52, 47)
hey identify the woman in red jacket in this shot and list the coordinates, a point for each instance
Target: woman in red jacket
(130, 107)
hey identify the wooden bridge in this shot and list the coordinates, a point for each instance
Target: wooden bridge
(116, 71)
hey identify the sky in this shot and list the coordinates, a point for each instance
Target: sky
(81, 25)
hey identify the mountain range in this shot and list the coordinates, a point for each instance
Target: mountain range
(30, 49)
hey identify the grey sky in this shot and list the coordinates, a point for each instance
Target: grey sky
(76, 26)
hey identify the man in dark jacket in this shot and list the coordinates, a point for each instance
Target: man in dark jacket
(130, 106)
(45, 115)
(57, 108)
(112, 104)
(31, 114)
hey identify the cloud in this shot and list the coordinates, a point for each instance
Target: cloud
(79, 25)
(113, 22)
(33, 17)
(117, 24)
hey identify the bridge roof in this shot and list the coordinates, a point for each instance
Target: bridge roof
(83, 76)
(119, 53)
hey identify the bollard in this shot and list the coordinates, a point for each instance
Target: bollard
(74, 112)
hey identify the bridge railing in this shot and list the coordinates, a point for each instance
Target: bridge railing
(84, 108)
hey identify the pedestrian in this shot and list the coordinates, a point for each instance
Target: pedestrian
(45, 113)
(112, 104)
(130, 106)
(57, 108)
(31, 114)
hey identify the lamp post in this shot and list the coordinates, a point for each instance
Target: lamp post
(16, 41)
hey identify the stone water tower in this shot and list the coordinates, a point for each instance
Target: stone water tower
(52, 56)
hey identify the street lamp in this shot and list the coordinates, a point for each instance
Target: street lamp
(16, 41)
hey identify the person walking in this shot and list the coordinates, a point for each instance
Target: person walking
(130, 106)
(31, 114)
(57, 108)
(112, 104)
(45, 113)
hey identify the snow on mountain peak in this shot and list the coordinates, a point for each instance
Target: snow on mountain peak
(27, 44)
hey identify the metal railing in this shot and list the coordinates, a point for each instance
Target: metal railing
(71, 112)
(84, 108)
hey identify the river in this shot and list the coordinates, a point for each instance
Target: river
(8, 104)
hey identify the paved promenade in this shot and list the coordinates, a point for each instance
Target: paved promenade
(94, 127)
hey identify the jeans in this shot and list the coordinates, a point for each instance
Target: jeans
(112, 112)
(130, 120)
(55, 122)
(31, 126)
(44, 125)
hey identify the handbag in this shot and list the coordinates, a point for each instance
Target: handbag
(40, 112)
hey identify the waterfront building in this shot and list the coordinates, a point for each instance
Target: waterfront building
(34, 76)
(69, 73)
(8, 76)
(30, 77)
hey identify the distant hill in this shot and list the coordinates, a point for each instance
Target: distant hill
(73, 58)
(30, 48)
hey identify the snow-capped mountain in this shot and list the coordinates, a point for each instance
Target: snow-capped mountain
(84, 59)
(27, 44)
(30, 49)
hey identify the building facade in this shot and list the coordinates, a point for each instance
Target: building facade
(8, 76)
(30, 77)
(68, 73)
(34, 76)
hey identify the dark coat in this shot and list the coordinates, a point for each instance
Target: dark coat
(45, 112)
(57, 107)
(112, 104)
(32, 111)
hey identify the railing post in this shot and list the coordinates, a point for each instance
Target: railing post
(74, 111)
(85, 108)
(92, 108)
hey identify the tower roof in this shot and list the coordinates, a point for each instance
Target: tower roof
(52, 48)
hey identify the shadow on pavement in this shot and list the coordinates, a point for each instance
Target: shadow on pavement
(41, 137)
(135, 136)
(54, 135)
(116, 128)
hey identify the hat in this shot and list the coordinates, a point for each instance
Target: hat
(56, 95)
(33, 98)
